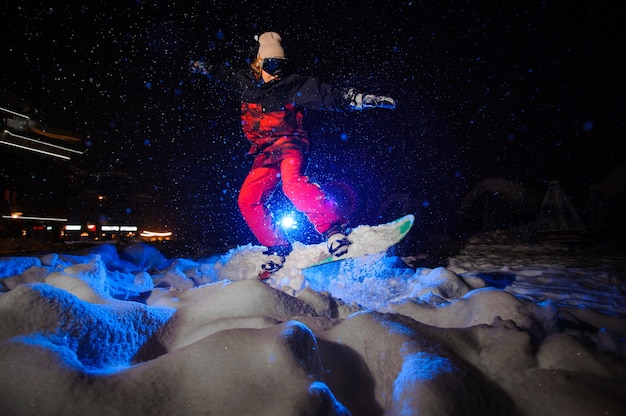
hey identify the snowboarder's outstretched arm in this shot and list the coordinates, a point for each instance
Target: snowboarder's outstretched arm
(220, 74)
(310, 93)
(361, 101)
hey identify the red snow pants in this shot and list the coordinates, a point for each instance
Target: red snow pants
(306, 197)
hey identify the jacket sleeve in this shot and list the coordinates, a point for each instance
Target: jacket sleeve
(311, 93)
(224, 75)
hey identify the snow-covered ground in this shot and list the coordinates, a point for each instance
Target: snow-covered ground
(498, 329)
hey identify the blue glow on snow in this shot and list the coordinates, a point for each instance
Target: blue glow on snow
(108, 340)
(324, 396)
(417, 368)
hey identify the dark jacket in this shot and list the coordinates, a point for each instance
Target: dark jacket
(272, 113)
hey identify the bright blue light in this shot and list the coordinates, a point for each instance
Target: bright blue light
(288, 222)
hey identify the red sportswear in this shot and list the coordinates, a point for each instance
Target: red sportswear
(271, 117)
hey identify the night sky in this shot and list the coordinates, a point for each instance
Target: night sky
(526, 91)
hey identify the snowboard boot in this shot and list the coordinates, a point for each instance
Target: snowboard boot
(274, 260)
(337, 240)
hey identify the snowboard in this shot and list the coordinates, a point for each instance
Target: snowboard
(368, 240)
(365, 240)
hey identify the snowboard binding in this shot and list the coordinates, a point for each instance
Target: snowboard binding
(275, 258)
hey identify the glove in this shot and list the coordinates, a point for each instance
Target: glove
(378, 101)
(360, 101)
(197, 67)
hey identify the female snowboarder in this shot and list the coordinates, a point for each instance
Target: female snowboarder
(272, 111)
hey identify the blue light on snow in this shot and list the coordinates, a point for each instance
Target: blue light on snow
(101, 342)
(416, 369)
(323, 394)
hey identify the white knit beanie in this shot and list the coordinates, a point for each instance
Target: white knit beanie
(270, 45)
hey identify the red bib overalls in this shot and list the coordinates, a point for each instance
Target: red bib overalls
(279, 145)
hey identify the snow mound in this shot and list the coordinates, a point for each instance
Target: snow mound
(134, 333)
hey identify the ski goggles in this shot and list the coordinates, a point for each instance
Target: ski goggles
(274, 66)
